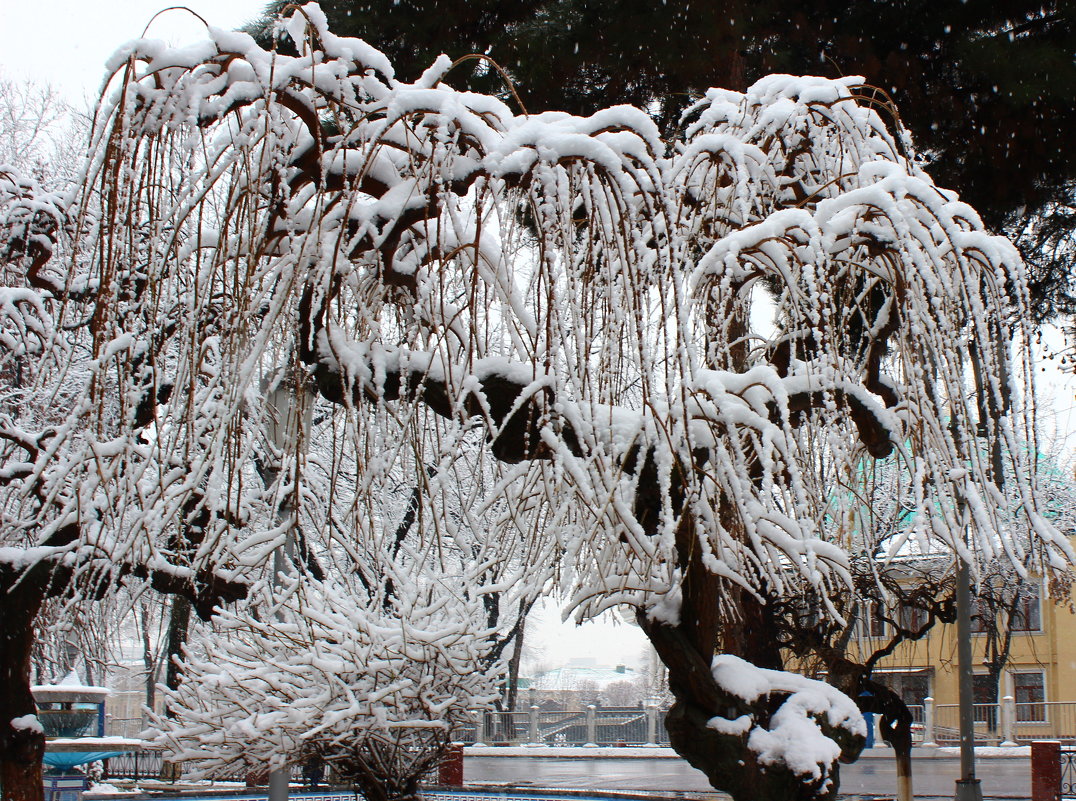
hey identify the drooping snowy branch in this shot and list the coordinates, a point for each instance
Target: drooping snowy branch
(575, 291)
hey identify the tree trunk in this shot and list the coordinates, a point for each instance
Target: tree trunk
(998, 648)
(149, 660)
(896, 728)
(178, 625)
(725, 759)
(21, 748)
(687, 649)
(512, 693)
(753, 634)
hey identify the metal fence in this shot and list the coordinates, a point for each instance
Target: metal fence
(1047, 720)
(947, 724)
(1068, 771)
(151, 764)
(932, 724)
(137, 765)
(590, 726)
(1007, 722)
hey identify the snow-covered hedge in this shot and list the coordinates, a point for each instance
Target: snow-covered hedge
(310, 671)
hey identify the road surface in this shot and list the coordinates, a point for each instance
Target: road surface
(933, 778)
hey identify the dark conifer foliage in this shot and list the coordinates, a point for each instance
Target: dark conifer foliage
(987, 89)
(412, 33)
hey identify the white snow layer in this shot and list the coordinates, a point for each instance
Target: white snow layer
(27, 723)
(794, 737)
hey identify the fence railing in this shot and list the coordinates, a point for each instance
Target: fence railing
(1004, 723)
(932, 724)
(137, 765)
(1067, 758)
(590, 726)
(150, 764)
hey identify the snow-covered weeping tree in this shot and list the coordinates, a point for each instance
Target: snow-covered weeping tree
(390, 624)
(577, 291)
(76, 459)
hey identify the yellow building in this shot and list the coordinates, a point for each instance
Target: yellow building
(1038, 683)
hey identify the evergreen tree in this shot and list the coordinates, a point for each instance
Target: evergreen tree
(987, 89)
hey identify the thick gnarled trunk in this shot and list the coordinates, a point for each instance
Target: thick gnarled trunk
(729, 764)
(21, 746)
(687, 650)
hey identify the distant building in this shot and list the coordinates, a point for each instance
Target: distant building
(1040, 674)
(576, 686)
(127, 681)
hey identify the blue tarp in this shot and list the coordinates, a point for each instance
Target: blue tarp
(68, 759)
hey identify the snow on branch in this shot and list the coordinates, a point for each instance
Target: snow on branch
(322, 670)
(30, 219)
(399, 241)
(794, 721)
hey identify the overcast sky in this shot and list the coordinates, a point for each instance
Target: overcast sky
(66, 42)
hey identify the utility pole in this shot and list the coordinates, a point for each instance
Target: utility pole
(290, 413)
(967, 786)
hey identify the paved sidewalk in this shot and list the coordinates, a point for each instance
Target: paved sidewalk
(1004, 775)
(664, 752)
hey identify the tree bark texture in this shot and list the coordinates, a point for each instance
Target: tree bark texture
(687, 650)
(179, 621)
(21, 749)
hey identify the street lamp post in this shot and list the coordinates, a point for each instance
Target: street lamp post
(967, 786)
(289, 414)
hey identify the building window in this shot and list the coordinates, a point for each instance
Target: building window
(1026, 610)
(872, 624)
(985, 698)
(1029, 690)
(981, 618)
(912, 618)
(913, 687)
(1027, 613)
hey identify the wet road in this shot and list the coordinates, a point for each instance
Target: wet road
(933, 778)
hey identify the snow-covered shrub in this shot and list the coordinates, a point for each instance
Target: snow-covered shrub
(372, 688)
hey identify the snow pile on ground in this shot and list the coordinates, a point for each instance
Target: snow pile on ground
(104, 788)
